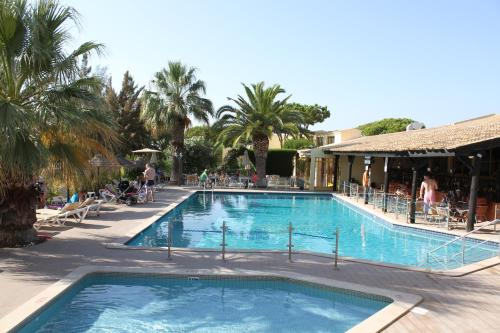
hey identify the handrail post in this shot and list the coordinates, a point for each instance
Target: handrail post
(397, 207)
(335, 264)
(223, 244)
(290, 245)
(169, 240)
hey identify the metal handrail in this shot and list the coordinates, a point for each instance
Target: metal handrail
(431, 254)
(497, 221)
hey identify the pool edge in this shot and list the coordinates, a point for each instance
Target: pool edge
(401, 304)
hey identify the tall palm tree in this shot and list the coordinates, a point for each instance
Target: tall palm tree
(176, 98)
(50, 118)
(256, 118)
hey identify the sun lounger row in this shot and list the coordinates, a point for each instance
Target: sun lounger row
(77, 211)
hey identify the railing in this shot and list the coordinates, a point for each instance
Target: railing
(396, 204)
(289, 246)
(432, 256)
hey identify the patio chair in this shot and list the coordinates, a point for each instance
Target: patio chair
(92, 206)
(59, 217)
(448, 216)
(273, 181)
(235, 183)
(109, 194)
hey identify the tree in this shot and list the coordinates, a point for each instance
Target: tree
(311, 114)
(256, 118)
(126, 108)
(299, 143)
(177, 97)
(383, 126)
(51, 119)
(198, 155)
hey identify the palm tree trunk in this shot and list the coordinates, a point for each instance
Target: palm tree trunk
(177, 151)
(17, 215)
(261, 147)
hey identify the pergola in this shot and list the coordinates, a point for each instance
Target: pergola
(466, 141)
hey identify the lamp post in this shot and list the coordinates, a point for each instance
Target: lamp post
(179, 158)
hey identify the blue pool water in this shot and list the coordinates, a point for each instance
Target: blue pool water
(260, 221)
(151, 303)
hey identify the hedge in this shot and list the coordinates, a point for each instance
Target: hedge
(279, 161)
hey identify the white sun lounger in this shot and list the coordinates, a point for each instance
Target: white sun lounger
(57, 218)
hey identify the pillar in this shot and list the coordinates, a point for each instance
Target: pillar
(474, 185)
(312, 173)
(386, 183)
(413, 202)
(350, 162)
(336, 173)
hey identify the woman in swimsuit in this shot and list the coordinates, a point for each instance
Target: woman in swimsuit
(428, 192)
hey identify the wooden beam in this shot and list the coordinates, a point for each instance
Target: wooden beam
(474, 185)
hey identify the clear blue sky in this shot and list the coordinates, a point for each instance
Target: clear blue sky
(434, 61)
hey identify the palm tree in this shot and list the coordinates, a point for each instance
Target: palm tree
(256, 118)
(169, 108)
(50, 118)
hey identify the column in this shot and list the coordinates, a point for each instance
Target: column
(312, 173)
(336, 173)
(386, 183)
(474, 185)
(413, 194)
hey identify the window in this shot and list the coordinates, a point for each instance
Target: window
(319, 141)
(331, 139)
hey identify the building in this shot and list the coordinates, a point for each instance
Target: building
(321, 138)
(321, 166)
(464, 157)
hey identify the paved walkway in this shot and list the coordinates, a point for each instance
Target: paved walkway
(466, 304)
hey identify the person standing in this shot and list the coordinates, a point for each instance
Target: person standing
(366, 184)
(428, 192)
(203, 178)
(149, 177)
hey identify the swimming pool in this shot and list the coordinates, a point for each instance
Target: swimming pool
(157, 303)
(259, 221)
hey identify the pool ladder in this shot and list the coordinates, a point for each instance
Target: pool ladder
(462, 240)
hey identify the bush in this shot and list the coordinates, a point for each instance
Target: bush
(279, 161)
(300, 143)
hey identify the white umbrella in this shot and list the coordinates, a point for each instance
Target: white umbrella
(246, 160)
(154, 158)
(147, 150)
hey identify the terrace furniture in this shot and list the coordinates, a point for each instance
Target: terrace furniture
(235, 183)
(449, 216)
(92, 206)
(51, 217)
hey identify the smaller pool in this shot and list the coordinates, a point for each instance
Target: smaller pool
(157, 303)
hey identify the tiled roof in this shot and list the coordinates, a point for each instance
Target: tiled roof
(443, 138)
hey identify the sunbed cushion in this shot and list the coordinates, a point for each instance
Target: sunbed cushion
(70, 207)
(87, 202)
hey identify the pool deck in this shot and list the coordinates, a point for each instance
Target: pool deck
(470, 303)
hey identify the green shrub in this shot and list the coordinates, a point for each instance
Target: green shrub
(279, 161)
